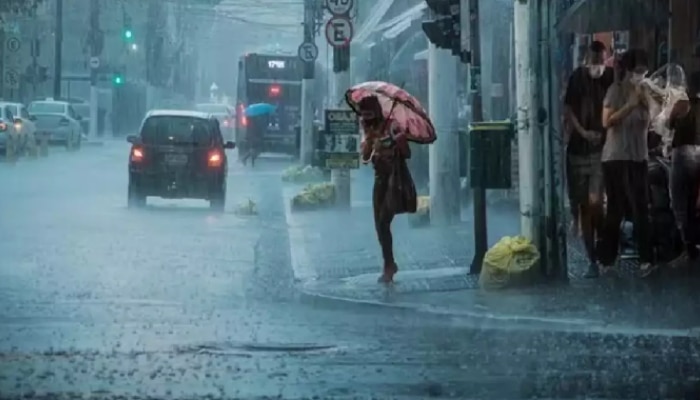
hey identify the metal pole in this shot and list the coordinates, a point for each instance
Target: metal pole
(58, 50)
(341, 177)
(524, 103)
(95, 52)
(306, 135)
(479, 194)
(443, 161)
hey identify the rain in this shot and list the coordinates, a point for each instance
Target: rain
(349, 199)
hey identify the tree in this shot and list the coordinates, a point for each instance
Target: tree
(17, 7)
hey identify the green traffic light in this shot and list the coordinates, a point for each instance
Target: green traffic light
(118, 80)
(128, 34)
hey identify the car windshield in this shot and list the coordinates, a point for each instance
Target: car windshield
(47, 107)
(13, 109)
(213, 108)
(82, 110)
(175, 129)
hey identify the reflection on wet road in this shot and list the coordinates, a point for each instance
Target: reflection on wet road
(176, 302)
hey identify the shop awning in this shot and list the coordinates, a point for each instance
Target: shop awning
(377, 14)
(395, 26)
(592, 16)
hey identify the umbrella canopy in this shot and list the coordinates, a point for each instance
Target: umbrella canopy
(408, 115)
(258, 109)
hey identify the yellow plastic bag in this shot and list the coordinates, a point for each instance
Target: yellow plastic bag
(509, 262)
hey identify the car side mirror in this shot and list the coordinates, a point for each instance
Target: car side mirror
(133, 139)
(229, 145)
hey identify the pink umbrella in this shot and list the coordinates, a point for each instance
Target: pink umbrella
(408, 115)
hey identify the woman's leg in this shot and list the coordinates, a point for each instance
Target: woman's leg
(613, 177)
(382, 223)
(680, 195)
(639, 185)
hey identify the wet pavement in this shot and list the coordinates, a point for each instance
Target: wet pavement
(97, 301)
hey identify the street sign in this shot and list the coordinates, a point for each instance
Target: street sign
(339, 7)
(11, 79)
(339, 146)
(13, 44)
(308, 52)
(339, 32)
(94, 62)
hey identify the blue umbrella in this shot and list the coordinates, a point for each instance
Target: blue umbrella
(257, 109)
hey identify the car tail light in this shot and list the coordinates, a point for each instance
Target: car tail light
(3, 127)
(136, 154)
(244, 120)
(215, 159)
(64, 121)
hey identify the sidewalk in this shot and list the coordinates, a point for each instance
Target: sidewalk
(335, 258)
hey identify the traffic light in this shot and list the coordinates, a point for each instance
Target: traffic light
(444, 30)
(128, 34)
(118, 79)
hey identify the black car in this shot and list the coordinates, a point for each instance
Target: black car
(178, 155)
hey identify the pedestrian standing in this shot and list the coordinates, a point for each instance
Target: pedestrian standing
(684, 122)
(626, 118)
(584, 97)
(388, 153)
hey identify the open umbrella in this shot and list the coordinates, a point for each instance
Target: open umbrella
(258, 109)
(408, 115)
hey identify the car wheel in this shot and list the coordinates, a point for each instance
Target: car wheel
(135, 198)
(218, 201)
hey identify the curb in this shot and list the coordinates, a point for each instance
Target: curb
(485, 320)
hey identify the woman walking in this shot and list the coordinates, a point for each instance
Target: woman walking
(684, 121)
(626, 119)
(386, 152)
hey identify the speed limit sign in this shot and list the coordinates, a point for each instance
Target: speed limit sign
(339, 7)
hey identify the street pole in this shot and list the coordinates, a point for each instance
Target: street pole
(341, 177)
(479, 194)
(95, 53)
(306, 135)
(58, 50)
(443, 158)
(524, 104)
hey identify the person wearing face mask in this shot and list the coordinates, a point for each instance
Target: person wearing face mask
(584, 103)
(684, 122)
(627, 119)
(382, 147)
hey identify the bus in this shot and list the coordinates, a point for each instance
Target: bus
(273, 79)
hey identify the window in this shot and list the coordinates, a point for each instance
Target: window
(13, 109)
(47, 108)
(160, 130)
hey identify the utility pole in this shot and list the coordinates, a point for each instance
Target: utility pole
(443, 158)
(524, 104)
(58, 50)
(95, 50)
(339, 28)
(443, 32)
(479, 194)
(308, 52)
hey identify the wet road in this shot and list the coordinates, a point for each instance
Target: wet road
(175, 302)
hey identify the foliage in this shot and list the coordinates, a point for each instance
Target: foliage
(247, 208)
(315, 196)
(18, 7)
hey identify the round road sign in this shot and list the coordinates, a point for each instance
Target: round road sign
(339, 7)
(308, 52)
(94, 62)
(339, 31)
(13, 44)
(11, 79)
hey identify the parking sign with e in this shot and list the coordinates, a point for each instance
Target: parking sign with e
(339, 32)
